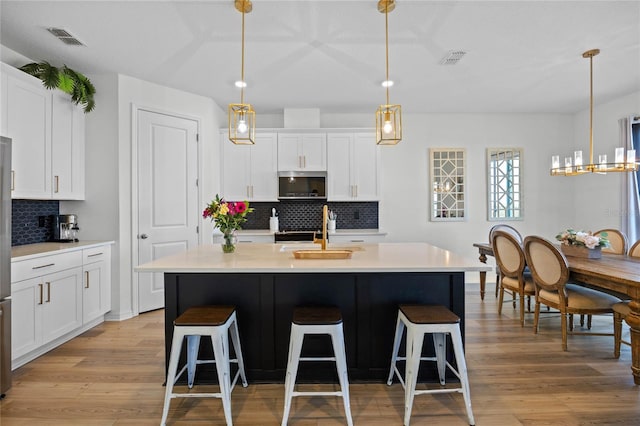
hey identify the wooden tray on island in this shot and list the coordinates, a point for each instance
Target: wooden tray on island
(322, 254)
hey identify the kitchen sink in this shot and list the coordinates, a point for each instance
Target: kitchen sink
(313, 247)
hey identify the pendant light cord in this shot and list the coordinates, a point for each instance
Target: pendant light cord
(386, 31)
(591, 109)
(242, 61)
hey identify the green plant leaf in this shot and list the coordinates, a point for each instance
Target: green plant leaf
(66, 79)
(66, 83)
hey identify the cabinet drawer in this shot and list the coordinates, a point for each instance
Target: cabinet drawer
(44, 265)
(96, 254)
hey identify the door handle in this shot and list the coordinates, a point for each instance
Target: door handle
(57, 184)
(13, 180)
(40, 286)
(143, 236)
(48, 292)
(86, 274)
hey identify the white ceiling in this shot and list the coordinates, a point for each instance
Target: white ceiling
(523, 56)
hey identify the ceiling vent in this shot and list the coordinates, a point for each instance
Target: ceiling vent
(65, 36)
(452, 57)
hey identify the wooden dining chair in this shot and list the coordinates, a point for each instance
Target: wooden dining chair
(621, 310)
(550, 272)
(617, 245)
(617, 241)
(514, 232)
(507, 250)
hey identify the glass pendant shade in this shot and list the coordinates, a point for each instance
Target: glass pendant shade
(388, 117)
(388, 124)
(242, 117)
(242, 124)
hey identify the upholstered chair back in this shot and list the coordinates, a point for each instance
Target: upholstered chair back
(617, 241)
(508, 252)
(548, 265)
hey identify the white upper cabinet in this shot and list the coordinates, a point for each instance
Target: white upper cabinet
(352, 167)
(250, 172)
(47, 131)
(302, 151)
(26, 119)
(67, 149)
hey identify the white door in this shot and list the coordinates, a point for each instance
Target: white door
(168, 210)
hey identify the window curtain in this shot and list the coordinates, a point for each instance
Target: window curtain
(630, 207)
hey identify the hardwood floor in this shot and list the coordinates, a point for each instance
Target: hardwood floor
(113, 375)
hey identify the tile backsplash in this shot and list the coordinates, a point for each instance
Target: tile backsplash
(307, 214)
(25, 226)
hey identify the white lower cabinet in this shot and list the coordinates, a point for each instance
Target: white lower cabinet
(44, 309)
(96, 284)
(55, 297)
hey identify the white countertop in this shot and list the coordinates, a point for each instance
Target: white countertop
(336, 232)
(30, 251)
(278, 258)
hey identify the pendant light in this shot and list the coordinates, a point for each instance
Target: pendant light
(575, 166)
(388, 117)
(242, 117)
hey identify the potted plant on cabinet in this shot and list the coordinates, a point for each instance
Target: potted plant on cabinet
(69, 81)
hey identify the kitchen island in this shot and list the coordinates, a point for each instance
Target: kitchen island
(265, 282)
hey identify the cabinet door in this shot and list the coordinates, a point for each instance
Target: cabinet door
(288, 156)
(95, 300)
(302, 151)
(264, 168)
(62, 307)
(364, 172)
(26, 321)
(27, 121)
(67, 149)
(340, 185)
(236, 170)
(314, 152)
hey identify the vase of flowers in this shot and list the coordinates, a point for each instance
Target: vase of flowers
(228, 216)
(582, 244)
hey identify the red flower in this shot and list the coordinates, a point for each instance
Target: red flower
(240, 207)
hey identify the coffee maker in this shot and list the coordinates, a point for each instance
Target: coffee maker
(64, 228)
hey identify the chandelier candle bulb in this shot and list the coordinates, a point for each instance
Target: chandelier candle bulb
(619, 157)
(555, 162)
(577, 159)
(631, 158)
(602, 161)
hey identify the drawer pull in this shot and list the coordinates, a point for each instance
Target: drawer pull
(43, 266)
(40, 287)
(48, 292)
(95, 254)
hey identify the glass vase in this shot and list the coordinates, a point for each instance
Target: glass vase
(230, 240)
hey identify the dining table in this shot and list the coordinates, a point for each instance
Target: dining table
(614, 273)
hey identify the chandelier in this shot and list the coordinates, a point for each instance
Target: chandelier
(388, 117)
(242, 117)
(574, 166)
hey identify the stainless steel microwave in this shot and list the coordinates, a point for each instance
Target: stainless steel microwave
(302, 185)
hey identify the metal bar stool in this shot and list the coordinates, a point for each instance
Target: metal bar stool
(439, 321)
(316, 320)
(216, 322)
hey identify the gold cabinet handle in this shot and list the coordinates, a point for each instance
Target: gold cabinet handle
(86, 280)
(40, 287)
(13, 180)
(48, 292)
(57, 181)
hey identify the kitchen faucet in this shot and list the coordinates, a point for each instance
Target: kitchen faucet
(323, 240)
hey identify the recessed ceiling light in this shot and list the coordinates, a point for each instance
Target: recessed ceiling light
(387, 83)
(241, 83)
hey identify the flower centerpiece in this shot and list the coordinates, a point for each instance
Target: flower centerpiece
(227, 216)
(581, 243)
